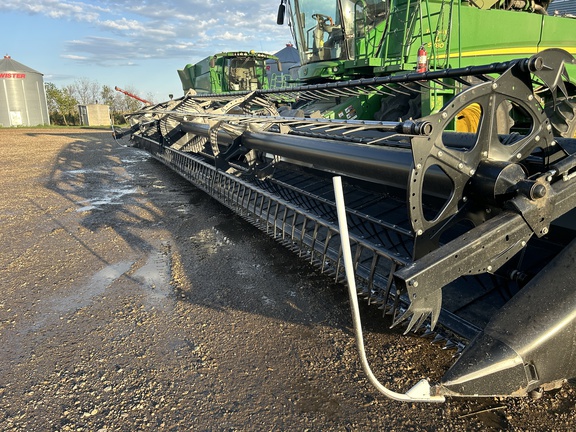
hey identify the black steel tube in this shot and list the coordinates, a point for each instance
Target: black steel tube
(386, 165)
(380, 164)
(203, 130)
(400, 79)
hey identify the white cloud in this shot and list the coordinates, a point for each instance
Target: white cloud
(74, 57)
(121, 33)
(78, 11)
(232, 36)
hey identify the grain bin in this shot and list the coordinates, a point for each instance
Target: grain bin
(22, 95)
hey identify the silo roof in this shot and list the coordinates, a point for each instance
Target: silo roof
(288, 54)
(7, 64)
(562, 7)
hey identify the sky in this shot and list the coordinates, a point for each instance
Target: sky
(135, 45)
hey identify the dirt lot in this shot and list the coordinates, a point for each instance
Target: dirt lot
(132, 301)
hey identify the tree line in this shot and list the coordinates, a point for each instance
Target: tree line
(63, 101)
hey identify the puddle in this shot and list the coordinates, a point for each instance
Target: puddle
(248, 269)
(83, 295)
(110, 197)
(267, 301)
(51, 312)
(83, 171)
(80, 297)
(184, 209)
(155, 277)
(135, 160)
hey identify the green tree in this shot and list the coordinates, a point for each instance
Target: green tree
(60, 101)
(108, 96)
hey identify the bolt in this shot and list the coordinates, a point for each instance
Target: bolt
(549, 127)
(489, 268)
(460, 165)
(523, 243)
(484, 154)
(519, 156)
(494, 86)
(413, 283)
(472, 172)
(530, 97)
(539, 191)
(420, 232)
(544, 231)
(440, 153)
(444, 115)
(419, 166)
(464, 199)
(549, 179)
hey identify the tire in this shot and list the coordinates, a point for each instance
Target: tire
(563, 116)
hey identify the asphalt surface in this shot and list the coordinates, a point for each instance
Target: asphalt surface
(132, 301)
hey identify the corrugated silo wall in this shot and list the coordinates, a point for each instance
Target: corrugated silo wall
(22, 99)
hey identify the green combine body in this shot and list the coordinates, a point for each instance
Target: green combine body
(348, 39)
(227, 72)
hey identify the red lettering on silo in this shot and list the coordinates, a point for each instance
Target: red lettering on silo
(13, 75)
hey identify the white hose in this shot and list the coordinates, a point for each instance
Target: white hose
(421, 391)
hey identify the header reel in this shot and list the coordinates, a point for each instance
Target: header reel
(445, 226)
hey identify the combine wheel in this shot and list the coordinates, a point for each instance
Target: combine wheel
(563, 117)
(468, 120)
(400, 107)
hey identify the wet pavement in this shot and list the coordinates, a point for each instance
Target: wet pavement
(132, 301)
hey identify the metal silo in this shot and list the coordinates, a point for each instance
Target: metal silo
(22, 95)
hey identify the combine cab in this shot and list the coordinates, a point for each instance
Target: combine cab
(454, 160)
(227, 72)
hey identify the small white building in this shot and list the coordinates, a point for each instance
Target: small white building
(94, 115)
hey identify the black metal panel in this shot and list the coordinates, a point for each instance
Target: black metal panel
(529, 343)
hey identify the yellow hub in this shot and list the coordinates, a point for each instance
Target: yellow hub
(468, 119)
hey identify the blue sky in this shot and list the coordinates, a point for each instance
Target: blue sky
(136, 45)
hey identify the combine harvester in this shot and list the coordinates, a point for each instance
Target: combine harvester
(451, 126)
(227, 72)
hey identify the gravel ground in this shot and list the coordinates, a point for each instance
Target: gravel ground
(132, 301)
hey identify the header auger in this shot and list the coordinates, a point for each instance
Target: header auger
(458, 181)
